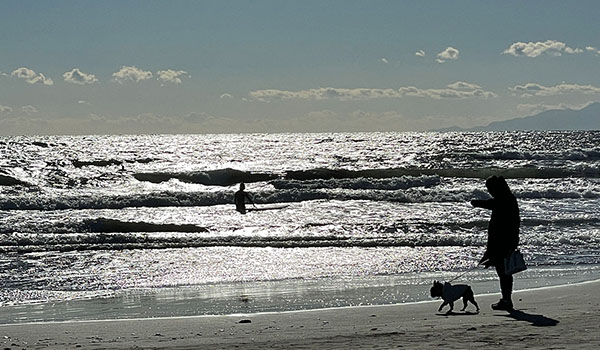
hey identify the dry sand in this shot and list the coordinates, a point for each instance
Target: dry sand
(564, 317)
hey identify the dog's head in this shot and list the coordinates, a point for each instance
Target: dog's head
(437, 289)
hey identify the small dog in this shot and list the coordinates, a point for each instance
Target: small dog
(450, 294)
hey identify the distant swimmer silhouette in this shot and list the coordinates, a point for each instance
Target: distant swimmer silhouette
(240, 199)
(503, 234)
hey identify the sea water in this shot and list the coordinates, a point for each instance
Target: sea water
(144, 225)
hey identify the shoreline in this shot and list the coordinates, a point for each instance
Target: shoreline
(546, 317)
(278, 296)
(266, 313)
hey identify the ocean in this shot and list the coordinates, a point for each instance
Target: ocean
(96, 227)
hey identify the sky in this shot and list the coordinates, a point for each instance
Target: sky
(128, 67)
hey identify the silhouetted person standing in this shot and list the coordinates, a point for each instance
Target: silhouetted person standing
(240, 199)
(503, 234)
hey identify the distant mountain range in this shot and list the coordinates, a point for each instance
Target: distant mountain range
(587, 118)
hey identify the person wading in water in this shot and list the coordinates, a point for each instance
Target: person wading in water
(240, 199)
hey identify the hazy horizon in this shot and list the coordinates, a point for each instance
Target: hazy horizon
(130, 67)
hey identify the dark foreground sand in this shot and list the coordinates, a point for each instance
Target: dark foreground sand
(565, 317)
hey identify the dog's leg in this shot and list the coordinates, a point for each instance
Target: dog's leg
(442, 306)
(475, 303)
(470, 296)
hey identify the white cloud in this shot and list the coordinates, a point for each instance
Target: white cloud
(384, 60)
(449, 54)
(534, 89)
(78, 77)
(534, 108)
(31, 77)
(573, 51)
(5, 109)
(420, 53)
(226, 95)
(323, 93)
(458, 90)
(29, 109)
(593, 50)
(170, 76)
(461, 85)
(534, 49)
(82, 102)
(131, 74)
(448, 93)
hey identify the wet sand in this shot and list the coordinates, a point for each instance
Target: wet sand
(547, 318)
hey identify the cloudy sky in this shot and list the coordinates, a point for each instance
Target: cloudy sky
(78, 67)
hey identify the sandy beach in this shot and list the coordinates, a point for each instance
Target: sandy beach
(562, 317)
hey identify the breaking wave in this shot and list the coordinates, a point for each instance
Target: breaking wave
(288, 195)
(104, 163)
(184, 237)
(397, 178)
(394, 183)
(157, 199)
(573, 155)
(221, 177)
(119, 241)
(111, 225)
(483, 173)
(6, 180)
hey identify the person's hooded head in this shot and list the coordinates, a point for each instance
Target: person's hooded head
(498, 187)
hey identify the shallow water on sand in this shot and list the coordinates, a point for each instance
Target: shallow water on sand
(278, 296)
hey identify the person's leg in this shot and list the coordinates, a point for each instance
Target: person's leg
(506, 284)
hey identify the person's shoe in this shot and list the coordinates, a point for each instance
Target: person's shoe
(503, 305)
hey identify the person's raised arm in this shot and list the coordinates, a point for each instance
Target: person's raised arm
(484, 203)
